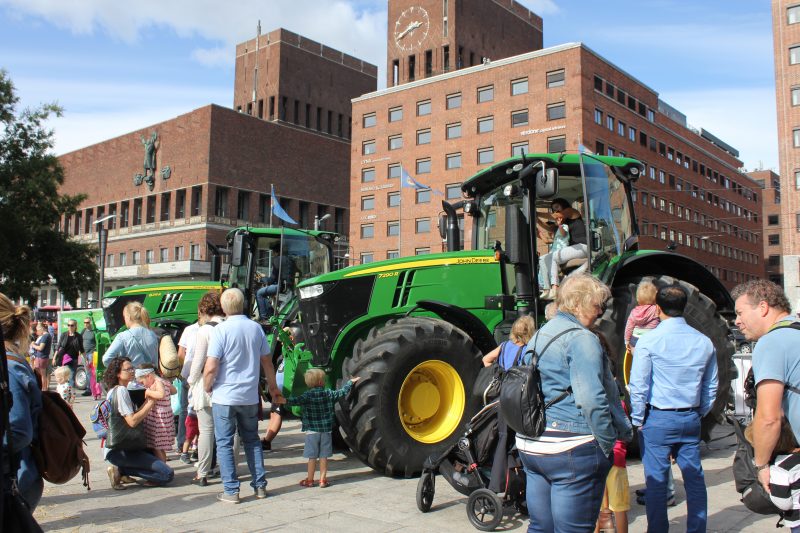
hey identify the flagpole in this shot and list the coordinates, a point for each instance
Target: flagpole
(271, 202)
(400, 226)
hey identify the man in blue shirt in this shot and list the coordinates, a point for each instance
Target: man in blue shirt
(761, 307)
(673, 385)
(236, 351)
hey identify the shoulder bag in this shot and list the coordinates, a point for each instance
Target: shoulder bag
(120, 435)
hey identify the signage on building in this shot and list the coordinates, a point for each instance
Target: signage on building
(541, 130)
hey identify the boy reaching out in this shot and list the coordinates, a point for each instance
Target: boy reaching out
(318, 414)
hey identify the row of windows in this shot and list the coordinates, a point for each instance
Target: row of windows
(698, 242)
(135, 257)
(421, 225)
(369, 257)
(342, 121)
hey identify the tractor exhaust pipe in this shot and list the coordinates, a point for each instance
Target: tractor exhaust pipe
(451, 232)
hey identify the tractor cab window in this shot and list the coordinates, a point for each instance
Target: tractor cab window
(307, 258)
(608, 211)
(494, 207)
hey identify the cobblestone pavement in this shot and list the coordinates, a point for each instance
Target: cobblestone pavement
(357, 500)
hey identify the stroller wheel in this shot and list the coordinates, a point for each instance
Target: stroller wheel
(484, 509)
(426, 488)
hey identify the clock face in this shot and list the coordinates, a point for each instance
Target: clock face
(411, 28)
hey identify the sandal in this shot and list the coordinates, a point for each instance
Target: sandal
(323, 483)
(307, 483)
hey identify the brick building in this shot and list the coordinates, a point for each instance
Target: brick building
(213, 167)
(444, 128)
(431, 37)
(786, 42)
(771, 222)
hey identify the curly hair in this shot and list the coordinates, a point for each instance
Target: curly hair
(761, 290)
(522, 329)
(110, 379)
(646, 293)
(210, 304)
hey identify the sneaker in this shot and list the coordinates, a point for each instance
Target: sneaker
(202, 481)
(261, 492)
(228, 498)
(114, 478)
(642, 500)
(185, 459)
(641, 492)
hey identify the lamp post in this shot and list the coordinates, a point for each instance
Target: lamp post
(102, 233)
(318, 220)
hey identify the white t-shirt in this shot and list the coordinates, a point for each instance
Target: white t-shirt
(187, 341)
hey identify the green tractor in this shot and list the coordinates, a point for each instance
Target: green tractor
(414, 329)
(173, 305)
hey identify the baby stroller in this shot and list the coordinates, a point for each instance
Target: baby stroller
(479, 465)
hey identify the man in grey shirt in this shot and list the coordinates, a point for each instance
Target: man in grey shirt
(89, 346)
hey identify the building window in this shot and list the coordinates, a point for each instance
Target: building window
(367, 203)
(556, 144)
(243, 205)
(367, 231)
(422, 251)
(423, 166)
(610, 122)
(485, 155)
(194, 252)
(774, 240)
(621, 127)
(632, 134)
(452, 191)
(793, 15)
(598, 117)
(453, 131)
(453, 101)
(163, 255)
(137, 258)
(165, 204)
(485, 124)
(519, 86)
(367, 257)
(557, 111)
(423, 136)
(393, 228)
(794, 55)
(197, 200)
(555, 78)
(520, 148)
(221, 202)
(795, 96)
(423, 108)
(393, 254)
(598, 83)
(394, 170)
(395, 142)
(149, 257)
(370, 120)
(519, 118)
(796, 138)
(123, 259)
(368, 147)
(485, 94)
(423, 225)
(180, 204)
(423, 196)
(772, 220)
(452, 161)
(395, 114)
(151, 213)
(367, 175)
(796, 180)
(393, 199)
(179, 253)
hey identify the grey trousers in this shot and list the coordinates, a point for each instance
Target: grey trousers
(551, 262)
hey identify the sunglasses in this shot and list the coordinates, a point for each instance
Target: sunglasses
(73, 325)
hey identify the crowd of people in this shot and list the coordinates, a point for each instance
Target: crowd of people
(578, 462)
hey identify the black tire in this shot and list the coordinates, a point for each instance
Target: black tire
(426, 488)
(484, 510)
(700, 313)
(370, 419)
(81, 378)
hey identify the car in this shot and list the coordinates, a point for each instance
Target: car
(741, 343)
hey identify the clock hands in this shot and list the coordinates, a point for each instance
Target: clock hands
(411, 27)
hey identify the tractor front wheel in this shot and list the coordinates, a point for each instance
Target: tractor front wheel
(414, 396)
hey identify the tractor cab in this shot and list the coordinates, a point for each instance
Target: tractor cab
(511, 204)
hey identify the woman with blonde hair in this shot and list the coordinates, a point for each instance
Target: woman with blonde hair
(138, 342)
(23, 417)
(510, 351)
(566, 466)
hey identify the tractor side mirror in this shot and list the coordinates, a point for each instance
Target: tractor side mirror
(597, 241)
(547, 183)
(443, 226)
(238, 251)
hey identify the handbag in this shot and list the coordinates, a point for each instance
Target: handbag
(492, 391)
(200, 398)
(120, 435)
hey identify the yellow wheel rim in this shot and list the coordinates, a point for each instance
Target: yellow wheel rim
(431, 401)
(627, 363)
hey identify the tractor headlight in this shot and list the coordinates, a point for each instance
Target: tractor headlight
(312, 291)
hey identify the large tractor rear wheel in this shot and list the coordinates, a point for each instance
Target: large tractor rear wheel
(700, 313)
(414, 396)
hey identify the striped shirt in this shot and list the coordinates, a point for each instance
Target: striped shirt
(551, 442)
(784, 486)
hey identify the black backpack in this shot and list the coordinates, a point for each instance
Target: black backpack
(521, 400)
(495, 373)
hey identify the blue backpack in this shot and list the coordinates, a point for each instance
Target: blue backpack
(99, 418)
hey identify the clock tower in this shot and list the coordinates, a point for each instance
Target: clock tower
(430, 37)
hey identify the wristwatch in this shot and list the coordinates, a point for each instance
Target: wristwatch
(759, 468)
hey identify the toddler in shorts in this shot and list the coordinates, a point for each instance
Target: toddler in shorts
(318, 414)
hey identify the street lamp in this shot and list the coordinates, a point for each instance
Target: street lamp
(103, 235)
(318, 220)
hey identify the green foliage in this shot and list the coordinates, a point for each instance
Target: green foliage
(33, 251)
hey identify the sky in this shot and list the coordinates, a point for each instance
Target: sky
(116, 67)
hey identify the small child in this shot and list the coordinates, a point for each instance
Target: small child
(192, 433)
(62, 374)
(318, 414)
(644, 316)
(506, 353)
(560, 240)
(159, 427)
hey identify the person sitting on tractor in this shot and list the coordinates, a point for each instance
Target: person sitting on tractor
(577, 248)
(283, 270)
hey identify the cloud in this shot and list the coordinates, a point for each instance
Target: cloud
(219, 56)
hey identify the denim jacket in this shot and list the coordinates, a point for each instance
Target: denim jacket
(577, 359)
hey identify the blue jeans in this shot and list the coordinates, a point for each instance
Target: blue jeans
(265, 309)
(29, 481)
(181, 431)
(666, 433)
(573, 480)
(139, 463)
(227, 418)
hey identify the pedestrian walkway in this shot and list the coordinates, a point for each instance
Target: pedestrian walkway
(358, 499)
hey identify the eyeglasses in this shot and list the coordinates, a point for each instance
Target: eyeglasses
(128, 370)
(73, 325)
(87, 323)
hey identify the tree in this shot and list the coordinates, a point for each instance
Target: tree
(34, 251)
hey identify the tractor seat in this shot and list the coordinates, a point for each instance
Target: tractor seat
(573, 264)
